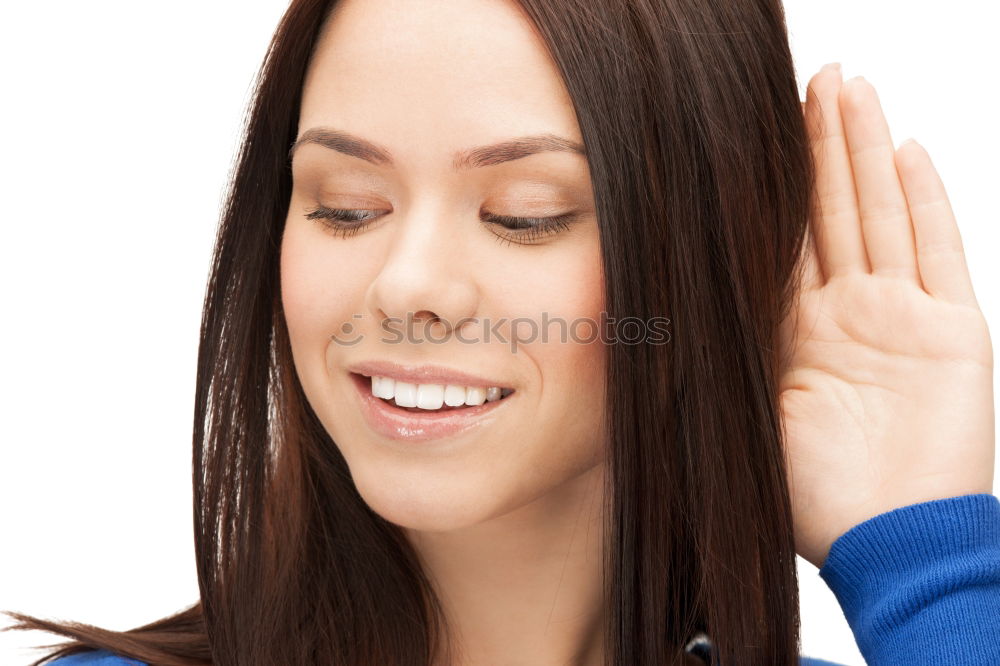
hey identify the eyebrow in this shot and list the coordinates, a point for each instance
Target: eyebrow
(497, 153)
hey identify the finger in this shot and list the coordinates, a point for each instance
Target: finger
(837, 237)
(885, 216)
(812, 271)
(940, 255)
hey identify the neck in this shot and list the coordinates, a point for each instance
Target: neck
(525, 587)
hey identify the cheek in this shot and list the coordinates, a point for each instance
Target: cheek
(571, 298)
(302, 291)
(573, 358)
(579, 375)
(570, 362)
(317, 298)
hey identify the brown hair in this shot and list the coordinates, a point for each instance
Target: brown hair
(702, 177)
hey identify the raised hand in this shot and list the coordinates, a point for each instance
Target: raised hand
(887, 391)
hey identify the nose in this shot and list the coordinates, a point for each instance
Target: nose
(425, 279)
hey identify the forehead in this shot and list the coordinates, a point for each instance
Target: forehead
(430, 77)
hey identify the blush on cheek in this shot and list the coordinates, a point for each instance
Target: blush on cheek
(306, 294)
(307, 277)
(323, 287)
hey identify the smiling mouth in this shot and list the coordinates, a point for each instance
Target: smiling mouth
(443, 408)
(429, 398)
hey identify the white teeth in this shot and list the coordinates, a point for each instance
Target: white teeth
(475, 395)
(454, 395)
(406, 394)
(383, 387)
(432, 396)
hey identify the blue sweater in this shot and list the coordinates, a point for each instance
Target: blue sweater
(919, 585)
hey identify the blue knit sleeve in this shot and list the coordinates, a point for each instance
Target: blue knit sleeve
(921, 584)
(96, 658)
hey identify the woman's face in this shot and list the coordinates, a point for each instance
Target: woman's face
(430, 84)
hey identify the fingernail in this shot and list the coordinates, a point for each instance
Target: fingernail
(832, 65)
(910, 140)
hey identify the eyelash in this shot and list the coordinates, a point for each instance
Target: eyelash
(526, 229)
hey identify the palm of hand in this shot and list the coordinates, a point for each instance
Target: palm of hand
(886, 391)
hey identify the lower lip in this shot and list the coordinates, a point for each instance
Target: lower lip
(395, 423)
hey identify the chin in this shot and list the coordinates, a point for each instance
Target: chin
(417, 503)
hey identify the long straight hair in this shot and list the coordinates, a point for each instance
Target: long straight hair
(702, 177)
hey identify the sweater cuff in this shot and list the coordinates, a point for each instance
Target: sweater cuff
(886, 569)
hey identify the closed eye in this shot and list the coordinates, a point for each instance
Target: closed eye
(345, 222)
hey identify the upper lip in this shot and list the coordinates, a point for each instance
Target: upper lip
(423, 374)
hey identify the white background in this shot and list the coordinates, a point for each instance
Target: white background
(118, 127)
